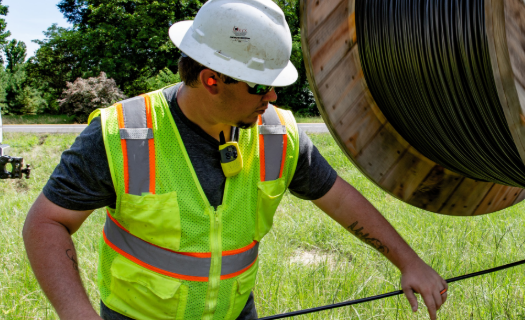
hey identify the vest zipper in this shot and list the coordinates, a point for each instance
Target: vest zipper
(216, 262)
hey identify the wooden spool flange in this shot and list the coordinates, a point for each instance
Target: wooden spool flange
(355, 121)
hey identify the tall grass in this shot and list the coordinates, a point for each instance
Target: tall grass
(342, 268)
(38, 119)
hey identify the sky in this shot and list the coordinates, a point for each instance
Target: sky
(27, 19)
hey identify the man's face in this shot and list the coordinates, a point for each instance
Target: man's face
(240, 108)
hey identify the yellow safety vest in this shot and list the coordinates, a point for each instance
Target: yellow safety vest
(166, 253)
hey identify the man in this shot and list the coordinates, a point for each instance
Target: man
(184, 220)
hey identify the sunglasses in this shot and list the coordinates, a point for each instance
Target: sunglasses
(259, 89)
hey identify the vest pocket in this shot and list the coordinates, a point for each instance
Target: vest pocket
(143, 294)
(270, 194)
(241, 291)
(154, 218)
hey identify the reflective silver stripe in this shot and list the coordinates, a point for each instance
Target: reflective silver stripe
(272, 129)
(174, 262)
(134, 111)
(136, 134)
(273, 144)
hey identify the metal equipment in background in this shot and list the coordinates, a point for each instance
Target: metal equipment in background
(14, 164)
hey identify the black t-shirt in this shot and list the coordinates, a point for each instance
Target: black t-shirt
(82, 180)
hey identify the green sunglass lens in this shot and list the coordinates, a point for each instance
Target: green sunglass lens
(260, 89)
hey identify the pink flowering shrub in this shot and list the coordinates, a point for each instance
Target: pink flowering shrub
(85, 95)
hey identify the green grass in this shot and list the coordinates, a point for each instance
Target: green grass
(300, 119)
(38, 119)
(63, 119)
(347, 269)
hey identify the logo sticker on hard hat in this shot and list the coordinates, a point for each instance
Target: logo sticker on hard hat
(240, 34)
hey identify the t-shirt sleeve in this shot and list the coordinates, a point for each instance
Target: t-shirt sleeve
(314, 177)
(82, 179)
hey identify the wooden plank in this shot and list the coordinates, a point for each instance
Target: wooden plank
(353, 93)
(515, 29)
(358, 126)
(520, 197)
(437, 187)
(330, 42)
(499, 197)
(380, 116)
(466, 198)
(336, 82)
(318, 11)
(403, 179)
(380, 154)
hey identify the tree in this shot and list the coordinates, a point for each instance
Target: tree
(15, 53)
(298, 96)
(57, 61)
(4, 34)
(128, 39)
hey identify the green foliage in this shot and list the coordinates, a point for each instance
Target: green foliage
(126, 39)
(298, 96)
(20, 96)
(56, 62)
(15, 52)
(165, 78)
(4, 34)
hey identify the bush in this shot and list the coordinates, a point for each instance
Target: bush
(85, 95)
(165, 78)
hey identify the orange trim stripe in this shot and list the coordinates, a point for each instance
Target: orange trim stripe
(116, 222)
(231, 275)
(285, 143)
(150, 267)
(151, 145)
(261, 153)
(120, 116)
(241, 250)
(121, 124)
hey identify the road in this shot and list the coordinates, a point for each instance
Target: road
(77, 128)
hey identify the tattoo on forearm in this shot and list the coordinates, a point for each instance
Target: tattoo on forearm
(364, 237)
(71, 255)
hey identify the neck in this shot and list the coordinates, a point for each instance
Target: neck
(195, 105)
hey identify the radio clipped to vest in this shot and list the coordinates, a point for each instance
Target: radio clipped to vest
(231, 157)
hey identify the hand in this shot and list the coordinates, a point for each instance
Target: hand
(420, 278)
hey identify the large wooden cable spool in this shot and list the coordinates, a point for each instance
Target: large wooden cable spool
(356, 122)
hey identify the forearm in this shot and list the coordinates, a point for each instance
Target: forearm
(350, 209)
(54, 261)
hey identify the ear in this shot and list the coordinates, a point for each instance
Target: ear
(208, 80)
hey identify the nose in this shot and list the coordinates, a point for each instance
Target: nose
(270, 96)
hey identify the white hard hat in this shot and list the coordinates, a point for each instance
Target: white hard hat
(248, 40)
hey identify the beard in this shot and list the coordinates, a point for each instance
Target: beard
(245, 125)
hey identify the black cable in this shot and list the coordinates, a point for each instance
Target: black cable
(385, 295)
(427, 65)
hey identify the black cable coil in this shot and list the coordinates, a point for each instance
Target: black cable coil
(427, 65)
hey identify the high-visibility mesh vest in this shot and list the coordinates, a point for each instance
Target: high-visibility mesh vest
(166, 253)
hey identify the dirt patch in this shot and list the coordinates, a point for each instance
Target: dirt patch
(21, 185)
(317, 257)
(42, 140)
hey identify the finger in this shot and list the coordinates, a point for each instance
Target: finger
(428, 298)
(444, 295)
(444, 298)
(411, 297)
(438, 299)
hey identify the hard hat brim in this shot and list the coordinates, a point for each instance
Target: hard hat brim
(181, 35)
